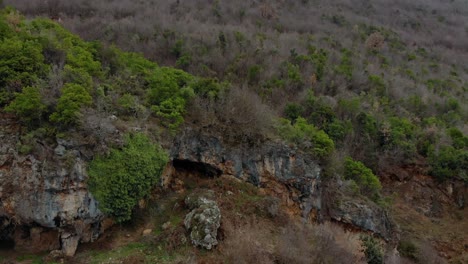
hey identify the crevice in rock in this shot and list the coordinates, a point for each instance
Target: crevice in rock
(6, 234)
(199, 168)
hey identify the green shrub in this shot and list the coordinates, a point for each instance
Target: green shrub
(73, 98)
(408, 249)
(28, 106)
(294, 74)
(171, 111)
(307, 136)
(459, 141)
(400, 134)
(368, 183)
(346, 66)
(449, 162)
(372, 250)
(319, 58)
(166, 83)
(292, 111)
(120, 179)
(21, 61)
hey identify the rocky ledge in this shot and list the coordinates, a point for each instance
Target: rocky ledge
(274, 162)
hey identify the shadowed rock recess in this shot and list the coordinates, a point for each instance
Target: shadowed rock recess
(45, 204)
(277, 162)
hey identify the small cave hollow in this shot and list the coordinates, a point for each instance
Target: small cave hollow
(6, 234)
(199, 168)
(7, 244)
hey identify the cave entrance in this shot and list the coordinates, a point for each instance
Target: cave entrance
(6, 234)
(7, 244)
(200, 169)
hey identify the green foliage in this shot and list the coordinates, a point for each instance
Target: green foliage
(408, 249)
(73, 98)
(207, 87)
(294, 74)
(21, 61)
(135, 63)
(319, 58)
(292, 111)
(346, 66)
(448, 163)
(337, 129)
(166, 83)
(377, 83)
(253, 74)
(400, 134)
(129, 105)
(120, 179)
(171, 111)
(307, 136)
(368, 183)
(459, 141)
(372, 250)
(28, 106)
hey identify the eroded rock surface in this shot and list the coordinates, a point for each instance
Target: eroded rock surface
(272, 161)
(45, 194)
(204, 219)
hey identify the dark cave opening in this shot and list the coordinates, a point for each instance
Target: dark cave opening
(6, 234)
(7, 244)
(200, 168)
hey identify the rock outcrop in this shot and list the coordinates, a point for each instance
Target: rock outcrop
(274, 161)
(45, 195)
(203, 220)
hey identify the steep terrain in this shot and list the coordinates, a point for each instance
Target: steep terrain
(276, 132)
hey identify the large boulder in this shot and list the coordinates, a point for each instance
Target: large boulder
(203, 220)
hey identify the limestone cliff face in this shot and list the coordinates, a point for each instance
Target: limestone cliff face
(276, 162)
(44, 196)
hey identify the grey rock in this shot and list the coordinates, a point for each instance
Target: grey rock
(46, 190)
(203, 221)
(256, 164)
(261, 163)
(60, 150)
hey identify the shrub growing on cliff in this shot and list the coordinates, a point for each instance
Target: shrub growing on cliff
(120, 179)
(74, 96)
(372, 250)
(310, 137)
(28, 106)
(368, 183)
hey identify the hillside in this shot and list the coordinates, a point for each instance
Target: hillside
(345, 113)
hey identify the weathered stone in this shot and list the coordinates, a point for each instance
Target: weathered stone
(147, 232)
(60, 150)
(166, 226)
(277, 165)
(204, 219)
(47, 190)
(69, 244)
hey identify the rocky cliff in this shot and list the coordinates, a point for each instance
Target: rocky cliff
(44, 202)
(274, 162)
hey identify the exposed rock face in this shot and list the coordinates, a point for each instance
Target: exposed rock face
(204, 219)
(46, 194)
(277, 162)
(257, 165)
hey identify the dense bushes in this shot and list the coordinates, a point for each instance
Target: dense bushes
(28, 106)
(73, 98)
(307, 136)
(119, 180)
(365, 179)
(448, 163)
